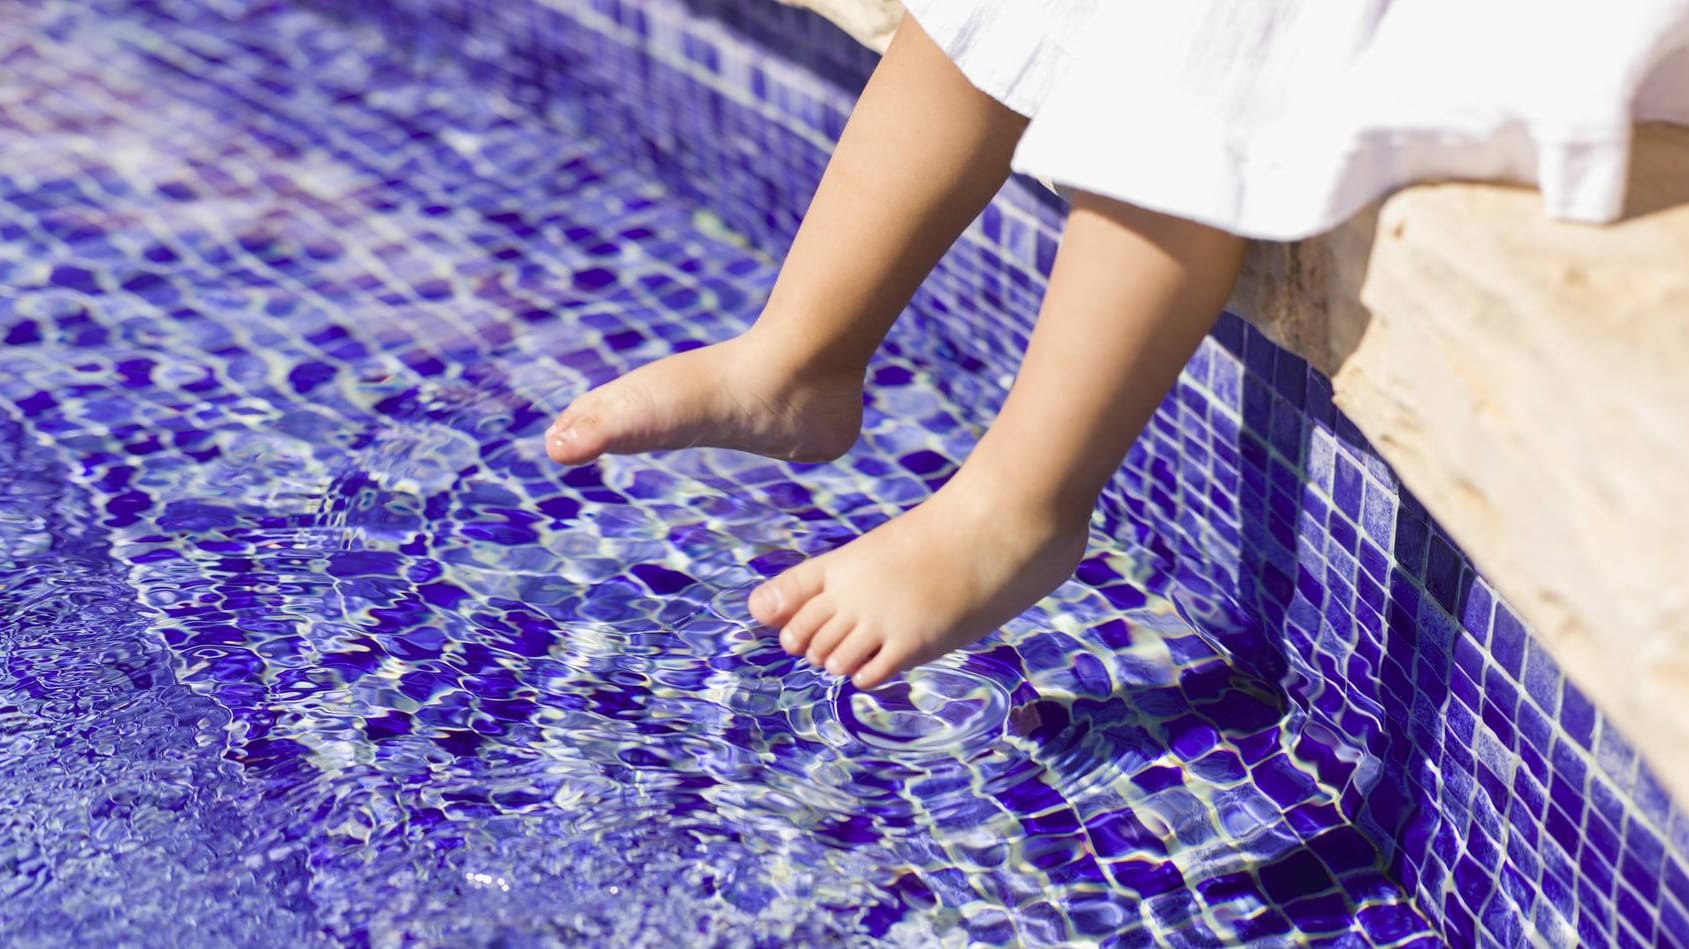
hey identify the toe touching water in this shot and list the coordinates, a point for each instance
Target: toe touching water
(938, 578)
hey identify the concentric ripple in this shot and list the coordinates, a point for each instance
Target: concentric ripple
(955, 703)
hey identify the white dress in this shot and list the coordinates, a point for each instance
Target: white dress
(1277, 119)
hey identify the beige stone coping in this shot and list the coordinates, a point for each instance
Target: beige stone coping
(1529, 381)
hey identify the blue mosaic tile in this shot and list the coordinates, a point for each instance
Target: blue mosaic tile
(1674, 925)
(1577, 715)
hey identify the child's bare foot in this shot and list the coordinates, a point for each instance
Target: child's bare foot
(735, 394)
(935, 579)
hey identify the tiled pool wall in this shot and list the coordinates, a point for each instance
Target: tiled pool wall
(1504, 799)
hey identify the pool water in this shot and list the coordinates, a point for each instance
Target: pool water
(303, 640)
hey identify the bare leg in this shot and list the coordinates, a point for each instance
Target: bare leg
(1132, 294)
(922, 154)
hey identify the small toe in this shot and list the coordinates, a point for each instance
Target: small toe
(828, 638)
(775, 603)
(579, 441)
(559, 445)
(801, 629)
(889, 661)
(555, 438)
(856, 649)
(566, 417)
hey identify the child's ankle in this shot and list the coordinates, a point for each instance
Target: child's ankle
(1006, 488)
(785, 344)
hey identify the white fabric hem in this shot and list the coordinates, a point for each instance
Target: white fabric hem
(1294, 197)
(1009, 52)
(1278, 121)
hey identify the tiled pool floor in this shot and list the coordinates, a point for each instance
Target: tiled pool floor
(302, 640)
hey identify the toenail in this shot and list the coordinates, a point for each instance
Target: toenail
(765, 600)
(788, 640)
(833, 666)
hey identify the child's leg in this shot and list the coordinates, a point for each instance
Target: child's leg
(1132, 294)
(922, 154)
